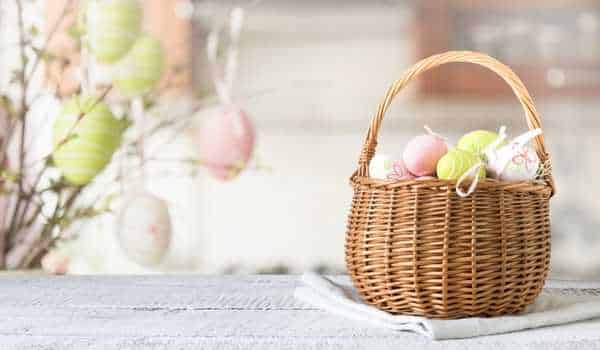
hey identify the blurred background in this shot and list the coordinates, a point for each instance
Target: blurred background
(311, 73)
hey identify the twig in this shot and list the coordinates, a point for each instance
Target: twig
(47, 239)
(23, 119)
(47, 159)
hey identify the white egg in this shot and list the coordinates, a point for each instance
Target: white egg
(384, 167)
(144, 228)
(515, 163)
(381, 165)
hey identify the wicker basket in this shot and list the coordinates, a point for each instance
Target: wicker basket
(414, 247)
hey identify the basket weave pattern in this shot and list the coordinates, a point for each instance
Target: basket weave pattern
(415, 247)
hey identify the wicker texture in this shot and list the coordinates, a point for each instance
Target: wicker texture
(415, 247)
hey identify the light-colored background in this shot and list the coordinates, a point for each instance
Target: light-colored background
(314, 73)
(311, 74)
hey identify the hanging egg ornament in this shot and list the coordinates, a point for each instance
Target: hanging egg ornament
(476, 141)
(142, 68)
(457, 162)
(422, 154)
(144, 228)
(226, 141)
(385, 167)
(86, 134)
(112, 27)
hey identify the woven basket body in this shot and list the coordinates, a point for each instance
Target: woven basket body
(415, 247)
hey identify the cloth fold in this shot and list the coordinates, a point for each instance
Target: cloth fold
(549, 309)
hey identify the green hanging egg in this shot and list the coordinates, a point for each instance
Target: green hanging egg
(142, 67)
(84, 148)
(457, 162)
(112, 27)
(476, 141)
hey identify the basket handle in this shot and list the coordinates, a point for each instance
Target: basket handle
(532, 116)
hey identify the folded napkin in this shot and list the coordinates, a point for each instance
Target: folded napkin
(550, 308)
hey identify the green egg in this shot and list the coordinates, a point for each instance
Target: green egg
(476, 141)
(142, 67)
(92, 141)
(457, 162)
(112, 27)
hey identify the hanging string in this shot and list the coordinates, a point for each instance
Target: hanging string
(474, 173)
(223, 77)
(432, 133)
(138, 116)
(88, 39)
(236, 22)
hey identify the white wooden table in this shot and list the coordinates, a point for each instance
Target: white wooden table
(195, 312)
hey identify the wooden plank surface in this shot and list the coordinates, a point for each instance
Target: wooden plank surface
(232, 312)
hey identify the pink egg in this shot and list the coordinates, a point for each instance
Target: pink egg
(226, 142)
(422, 154)
(399, 172)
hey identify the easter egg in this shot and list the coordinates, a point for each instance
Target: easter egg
(515, 163)
(386, 168)
(457, 162)
(112, 26)
(422, 154)
(476, 141)
(380, 166)
(226, 141)
(84, 147)
(141, 69)
(144, 228)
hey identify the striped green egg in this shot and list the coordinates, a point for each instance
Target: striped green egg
(142, 67)
(112, 27)
(457, 162)
(92, 141)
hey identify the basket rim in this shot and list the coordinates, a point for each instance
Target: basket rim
(537, 186)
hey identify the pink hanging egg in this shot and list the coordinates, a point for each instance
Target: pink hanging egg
(226, 141)
(422, 154)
